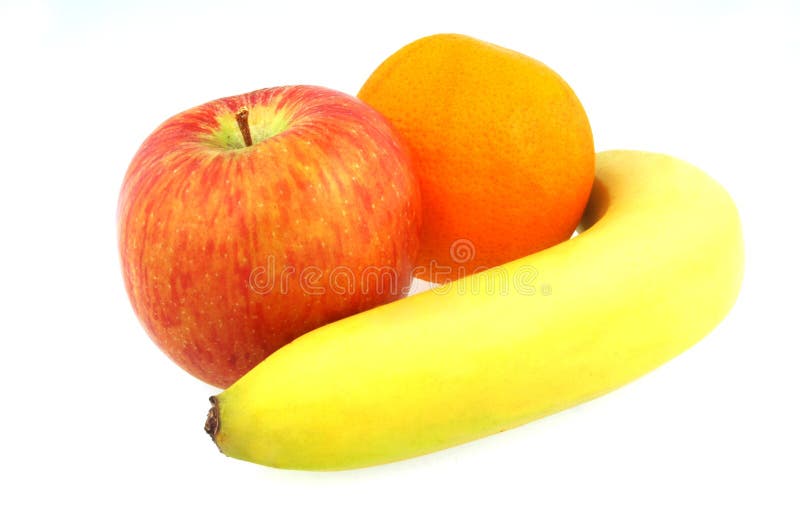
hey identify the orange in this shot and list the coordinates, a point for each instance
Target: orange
(501, 145)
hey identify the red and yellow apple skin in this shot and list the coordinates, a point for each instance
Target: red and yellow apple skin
(230, 251)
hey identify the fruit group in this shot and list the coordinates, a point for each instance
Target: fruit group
(501, 144)
(231, 250)
(658, 265)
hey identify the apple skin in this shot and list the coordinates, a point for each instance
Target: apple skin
(230, 251)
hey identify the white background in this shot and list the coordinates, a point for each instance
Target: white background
(100, 431)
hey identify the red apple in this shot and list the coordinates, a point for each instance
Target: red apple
(250, 220)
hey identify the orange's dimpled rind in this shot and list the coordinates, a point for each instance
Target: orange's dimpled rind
(501, 144)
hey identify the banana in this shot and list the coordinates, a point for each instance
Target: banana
(658, 263)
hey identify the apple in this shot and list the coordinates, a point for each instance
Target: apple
(250, 220)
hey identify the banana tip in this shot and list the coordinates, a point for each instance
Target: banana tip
(212, 420)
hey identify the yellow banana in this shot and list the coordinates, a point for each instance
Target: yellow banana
(658, 264)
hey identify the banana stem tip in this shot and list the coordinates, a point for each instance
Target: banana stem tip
(212, 420)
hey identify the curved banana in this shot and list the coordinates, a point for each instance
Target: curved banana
(658, 265)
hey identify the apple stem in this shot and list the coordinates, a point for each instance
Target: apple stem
(244, 127)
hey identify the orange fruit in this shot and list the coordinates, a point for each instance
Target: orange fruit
(501, 145)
